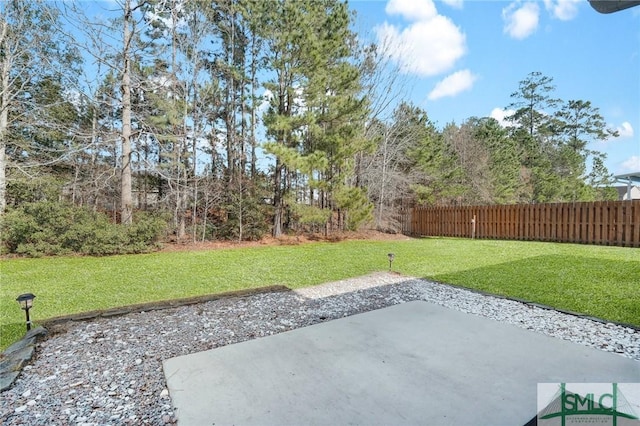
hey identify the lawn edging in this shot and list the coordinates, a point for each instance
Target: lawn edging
(17, 355)
(159, 305)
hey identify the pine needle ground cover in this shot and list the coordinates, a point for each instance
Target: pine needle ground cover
(599, 281)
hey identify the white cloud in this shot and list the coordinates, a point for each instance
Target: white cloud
(453, 84)
(501, 114)
(74, 97)
(520, 21)
(625, 130)
(412, 10)
(156, 14)
(267, 97)
(456, 4)
(631, 164)
(429, 46)
(564, 10)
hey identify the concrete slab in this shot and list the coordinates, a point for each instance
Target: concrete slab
(414, 363)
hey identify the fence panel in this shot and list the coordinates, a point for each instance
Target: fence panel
(603, 223)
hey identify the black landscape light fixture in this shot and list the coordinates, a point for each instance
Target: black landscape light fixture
(391, 257)
(26, 302)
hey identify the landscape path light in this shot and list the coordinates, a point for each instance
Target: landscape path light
(26, 302)
(391, 257)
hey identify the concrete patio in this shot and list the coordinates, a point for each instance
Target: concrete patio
(412, 363)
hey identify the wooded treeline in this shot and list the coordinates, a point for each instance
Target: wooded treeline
(238, 118)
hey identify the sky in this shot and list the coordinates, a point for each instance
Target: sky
(464, 58)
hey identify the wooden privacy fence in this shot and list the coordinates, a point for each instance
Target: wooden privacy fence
(604, 223)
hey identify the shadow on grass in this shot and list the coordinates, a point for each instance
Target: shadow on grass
(598, 287)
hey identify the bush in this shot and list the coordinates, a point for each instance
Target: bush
(146, 231)
(50, 228)
(21, 190)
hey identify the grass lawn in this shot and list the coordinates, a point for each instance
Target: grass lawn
(599, 281)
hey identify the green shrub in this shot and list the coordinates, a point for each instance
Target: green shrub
(22, 190)
(35, 229)
(145, 232)
(50, 228)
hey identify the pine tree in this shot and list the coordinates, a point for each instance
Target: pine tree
(438, 182)
(316, 109)
(504, 179)
(577, 124)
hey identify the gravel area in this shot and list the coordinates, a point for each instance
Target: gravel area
(108, 371)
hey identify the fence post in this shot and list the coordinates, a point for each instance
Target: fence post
(473, 227)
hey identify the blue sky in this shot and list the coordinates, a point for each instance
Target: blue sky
(463, 58)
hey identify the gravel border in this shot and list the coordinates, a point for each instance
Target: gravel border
(108, 371)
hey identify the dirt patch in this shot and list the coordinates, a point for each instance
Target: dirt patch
(283, 240)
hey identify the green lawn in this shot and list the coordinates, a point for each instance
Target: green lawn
(600, 281)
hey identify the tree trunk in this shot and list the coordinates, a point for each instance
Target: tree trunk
(4, 122)
(253, 107)
(277, 200)
(126, 198)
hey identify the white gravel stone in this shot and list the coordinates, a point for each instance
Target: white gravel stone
(116, 370)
